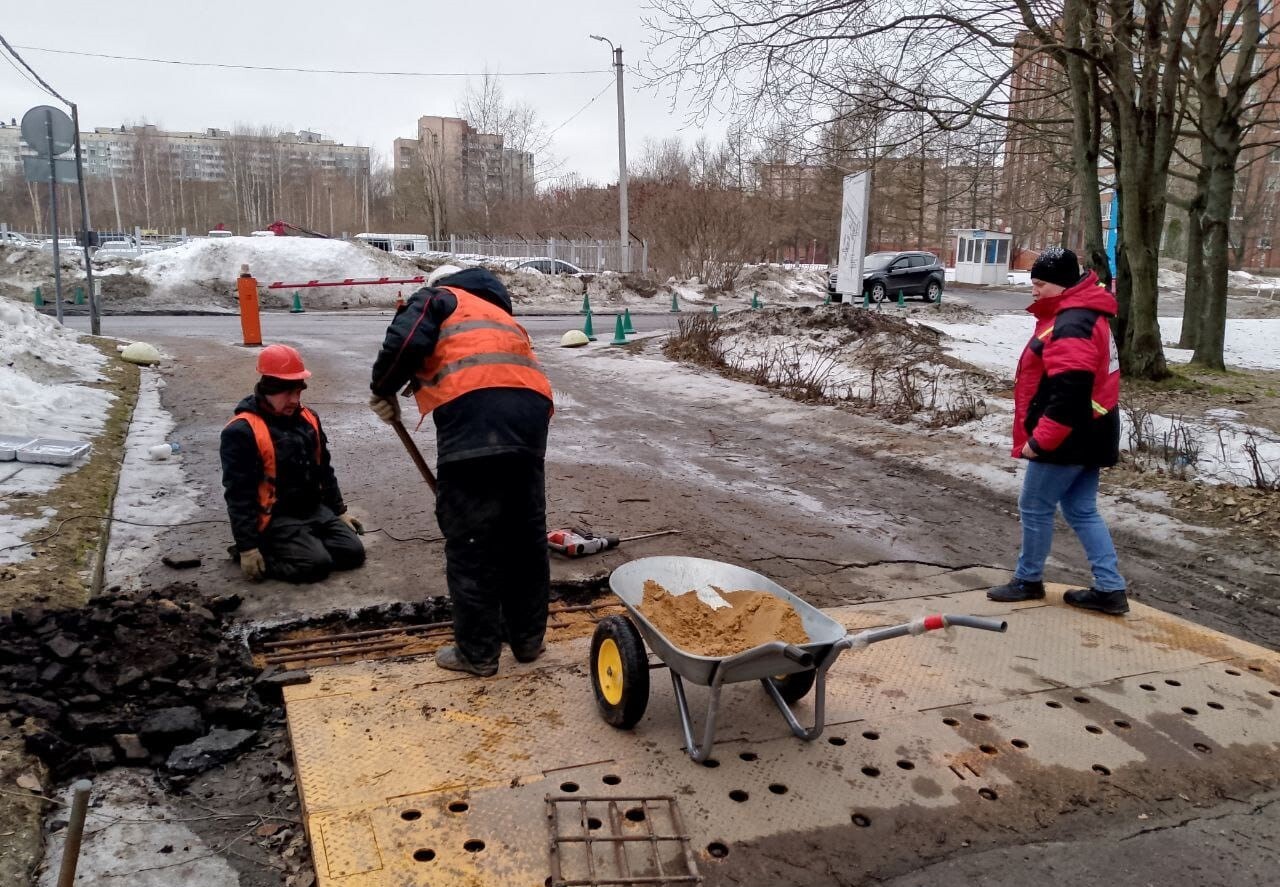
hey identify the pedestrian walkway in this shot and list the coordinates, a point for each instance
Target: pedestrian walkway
(412, 775)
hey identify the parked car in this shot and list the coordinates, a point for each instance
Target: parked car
(884, 275)
(549, 266)
(13, 238)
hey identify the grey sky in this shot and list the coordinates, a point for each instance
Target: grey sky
(504, 35)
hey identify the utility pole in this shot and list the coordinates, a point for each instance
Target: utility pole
(95, 325)
(624, 230)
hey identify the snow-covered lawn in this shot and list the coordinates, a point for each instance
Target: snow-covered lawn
(1218, 439)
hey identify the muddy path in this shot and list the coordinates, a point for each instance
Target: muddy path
(801, 493)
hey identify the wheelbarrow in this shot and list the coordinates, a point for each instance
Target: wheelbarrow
(620, 666)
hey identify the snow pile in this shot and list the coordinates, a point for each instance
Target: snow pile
(24, 267)
(879, 360)
(209, 267)
(40, 362)
(41, 366)
(1237, 281)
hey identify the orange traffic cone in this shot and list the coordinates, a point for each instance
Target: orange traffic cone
(399, 299)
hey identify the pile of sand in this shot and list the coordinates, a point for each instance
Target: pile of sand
(753, 618)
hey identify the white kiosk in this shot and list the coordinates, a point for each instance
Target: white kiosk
(982, 256)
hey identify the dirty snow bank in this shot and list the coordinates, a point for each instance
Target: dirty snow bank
(208, 269)
(893, 365)
(149, 491)
(42, 368)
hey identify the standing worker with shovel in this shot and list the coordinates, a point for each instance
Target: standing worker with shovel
(472, 367)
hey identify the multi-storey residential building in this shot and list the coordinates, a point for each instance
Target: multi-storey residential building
(197, 156)
(475, 169)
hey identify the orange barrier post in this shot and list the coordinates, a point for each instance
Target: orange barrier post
(247, 292)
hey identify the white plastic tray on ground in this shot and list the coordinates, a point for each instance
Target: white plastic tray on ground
(51, 451)
(11, 443)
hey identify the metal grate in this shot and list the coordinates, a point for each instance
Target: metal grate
(599, 840)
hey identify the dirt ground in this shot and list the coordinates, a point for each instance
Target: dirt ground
(804, 493)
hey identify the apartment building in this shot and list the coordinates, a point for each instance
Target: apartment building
(474, 168)
(196, 156)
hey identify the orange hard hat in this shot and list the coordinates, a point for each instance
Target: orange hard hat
(282, 362)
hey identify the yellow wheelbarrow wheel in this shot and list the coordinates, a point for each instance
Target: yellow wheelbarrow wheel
(619, 672)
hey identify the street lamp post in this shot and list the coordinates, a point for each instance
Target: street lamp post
(624, 231)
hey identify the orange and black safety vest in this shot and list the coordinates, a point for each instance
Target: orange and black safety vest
(267, 450)
(480, 346)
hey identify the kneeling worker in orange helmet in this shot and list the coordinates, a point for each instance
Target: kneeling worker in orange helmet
(287, 513)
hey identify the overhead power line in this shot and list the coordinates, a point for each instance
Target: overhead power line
(592, 101)
(280, 68)
(47, 88)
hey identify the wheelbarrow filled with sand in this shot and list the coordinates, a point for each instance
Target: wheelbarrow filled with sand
(714, 624)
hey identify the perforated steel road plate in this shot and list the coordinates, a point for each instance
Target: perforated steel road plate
(411, 775)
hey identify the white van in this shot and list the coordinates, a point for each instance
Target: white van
(397, 243)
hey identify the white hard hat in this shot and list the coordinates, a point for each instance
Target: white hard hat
(573, 339)
(442, 271)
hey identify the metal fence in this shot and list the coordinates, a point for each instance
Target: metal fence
(589, 255)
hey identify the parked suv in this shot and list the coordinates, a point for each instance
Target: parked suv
(884, 275)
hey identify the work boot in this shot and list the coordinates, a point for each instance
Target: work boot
(1017, 590)
(452, 659)
(527, 654)
(1113, 603)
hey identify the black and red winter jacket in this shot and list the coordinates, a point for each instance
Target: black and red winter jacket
(1067, 390)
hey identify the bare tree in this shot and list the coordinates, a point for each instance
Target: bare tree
(1229, 76)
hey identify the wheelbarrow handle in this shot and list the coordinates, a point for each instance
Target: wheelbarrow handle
(977, 622)
(920, 626)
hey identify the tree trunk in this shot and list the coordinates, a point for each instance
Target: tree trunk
(1086, 114)
(1193, 294)
(1216, 230)
(1141, 352)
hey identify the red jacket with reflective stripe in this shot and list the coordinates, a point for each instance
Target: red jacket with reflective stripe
(1067, 389)
(479, 346)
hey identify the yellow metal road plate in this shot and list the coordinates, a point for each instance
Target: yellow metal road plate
(411, 775)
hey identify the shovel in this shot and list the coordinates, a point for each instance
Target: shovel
(414, 454)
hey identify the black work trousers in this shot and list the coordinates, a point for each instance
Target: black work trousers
(493, 513)
(308, 548)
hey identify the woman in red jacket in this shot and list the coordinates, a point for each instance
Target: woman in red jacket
(1067, 425)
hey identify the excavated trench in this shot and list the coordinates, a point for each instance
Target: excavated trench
(168, 679)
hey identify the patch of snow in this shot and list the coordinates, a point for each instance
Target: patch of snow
(132, 836)
(42, 366)
(150, 491)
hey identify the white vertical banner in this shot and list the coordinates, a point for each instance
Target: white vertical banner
(853, 235)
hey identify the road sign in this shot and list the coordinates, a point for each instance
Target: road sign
(36, 169)
(48, 131)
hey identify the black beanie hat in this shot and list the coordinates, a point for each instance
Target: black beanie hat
(276, 385)
(1057, 265)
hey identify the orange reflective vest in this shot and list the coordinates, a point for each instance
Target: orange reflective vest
(267, 450)
(480, 346)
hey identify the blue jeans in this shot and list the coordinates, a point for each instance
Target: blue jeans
(1075, 489)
